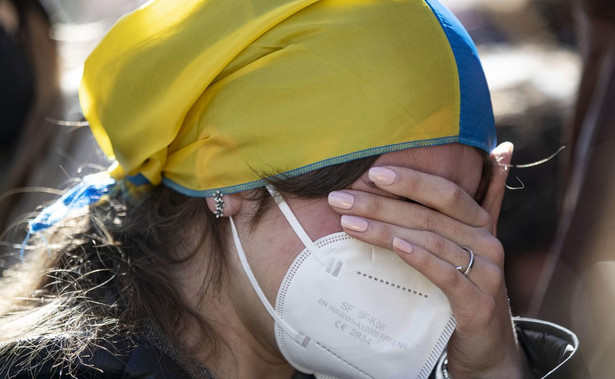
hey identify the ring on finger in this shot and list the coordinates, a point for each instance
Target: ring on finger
(466, 270)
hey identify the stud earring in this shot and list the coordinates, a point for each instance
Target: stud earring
(219, 212)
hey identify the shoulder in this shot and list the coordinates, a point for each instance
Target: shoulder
(121, 358)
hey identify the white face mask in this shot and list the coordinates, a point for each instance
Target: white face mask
(347, 309)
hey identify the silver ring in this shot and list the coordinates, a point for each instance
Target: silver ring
(466, 271)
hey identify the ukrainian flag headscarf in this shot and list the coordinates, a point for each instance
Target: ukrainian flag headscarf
(202, 94)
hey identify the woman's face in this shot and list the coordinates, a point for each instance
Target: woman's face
(272, 245)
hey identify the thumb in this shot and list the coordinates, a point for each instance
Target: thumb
(501, 156)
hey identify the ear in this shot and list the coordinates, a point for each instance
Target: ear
(232, 204)
(501, 156)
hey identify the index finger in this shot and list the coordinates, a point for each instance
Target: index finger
(495, 193)
(432, 191)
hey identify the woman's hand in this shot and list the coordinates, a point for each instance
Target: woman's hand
(429, 236)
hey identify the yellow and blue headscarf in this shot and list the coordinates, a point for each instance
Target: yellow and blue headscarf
(202, 95)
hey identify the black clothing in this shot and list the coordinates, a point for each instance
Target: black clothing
(123, 359)
(550, 350)
(16, 88)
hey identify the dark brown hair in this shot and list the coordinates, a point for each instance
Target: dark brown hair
(104, 273)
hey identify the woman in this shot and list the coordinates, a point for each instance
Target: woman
(375, 110)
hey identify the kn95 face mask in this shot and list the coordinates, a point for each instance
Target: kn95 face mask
(347, 309)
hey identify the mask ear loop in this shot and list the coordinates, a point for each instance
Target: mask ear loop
(292, 220)
(296, 225)
(298, 337)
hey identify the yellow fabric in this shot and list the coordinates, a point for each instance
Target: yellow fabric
(207, 94)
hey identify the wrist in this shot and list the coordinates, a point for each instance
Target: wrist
(514, 368)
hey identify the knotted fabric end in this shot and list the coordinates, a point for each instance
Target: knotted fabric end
(90, 190)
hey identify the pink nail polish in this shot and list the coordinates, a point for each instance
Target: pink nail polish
(382, 175)
(354, 223)
(341, 200)
(402, 245)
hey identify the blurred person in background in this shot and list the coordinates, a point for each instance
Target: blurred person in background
(17, 77)
(577, 287)
(43, 149)
(29, 91)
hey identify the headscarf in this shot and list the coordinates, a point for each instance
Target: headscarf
(206, 95)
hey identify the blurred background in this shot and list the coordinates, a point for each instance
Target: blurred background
(538, 55)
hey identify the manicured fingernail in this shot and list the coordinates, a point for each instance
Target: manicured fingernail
(354, 223)
(341, 200)
(382, 175)
(402, 245)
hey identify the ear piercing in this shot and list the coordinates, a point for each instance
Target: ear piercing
(219, 212)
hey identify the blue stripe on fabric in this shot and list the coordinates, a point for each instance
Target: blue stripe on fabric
(476, 122)
(314, 166)
(88, 191)
(138, 180)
